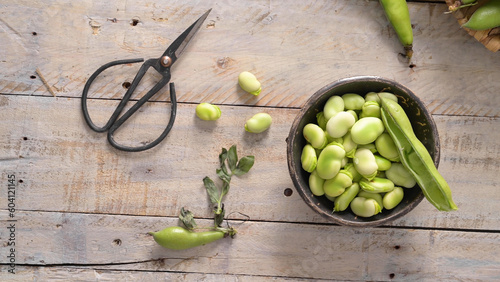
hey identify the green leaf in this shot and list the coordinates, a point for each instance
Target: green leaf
(224, 176)
(232, 158)
(225, 189)
(213, 192)
(219, 218)
(244, 165)
(187, 219)
(222, 160)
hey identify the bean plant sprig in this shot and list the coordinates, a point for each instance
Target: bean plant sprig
(180, 238)
(229, 165)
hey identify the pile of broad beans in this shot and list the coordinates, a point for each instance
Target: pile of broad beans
(351, 158)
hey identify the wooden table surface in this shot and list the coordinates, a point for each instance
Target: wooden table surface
(82, 209)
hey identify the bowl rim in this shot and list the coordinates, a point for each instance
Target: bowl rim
(294, 174)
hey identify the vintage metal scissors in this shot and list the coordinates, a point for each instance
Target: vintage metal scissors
(161, 65)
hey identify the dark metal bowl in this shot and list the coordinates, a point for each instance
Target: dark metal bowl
(421, 120)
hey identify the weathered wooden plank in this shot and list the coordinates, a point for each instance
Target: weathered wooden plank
(75, 273)
(261, 248)
(293, 49)
(68, 168)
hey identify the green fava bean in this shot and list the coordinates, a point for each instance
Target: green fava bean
(383, 163)
(321, 120)
(393, 198)
(316, 184)
(400, 176)
(349, 145)
(334, 105)
(485, 17)
(336, 186)
(370, 109)
(370, 146)
(356, 177)
(415, 157)
(365, 163)
(372, 96)
(376, 196)
(206, 111)
(366, 130)
(338, 125)
(315, 135)
(341, 203)
(386, 148)
(258, 123)
(308, 158)
(330, 161)
(365, 207)
(178, 238)
(249, 83)
(354, 114)
(377, 185)
(353, 101)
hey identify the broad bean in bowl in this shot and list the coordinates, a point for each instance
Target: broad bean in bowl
(363, 182)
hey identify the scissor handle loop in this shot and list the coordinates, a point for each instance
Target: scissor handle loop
(114, 122)
(120, 106)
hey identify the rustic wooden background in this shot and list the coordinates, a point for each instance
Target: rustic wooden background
(83, 209)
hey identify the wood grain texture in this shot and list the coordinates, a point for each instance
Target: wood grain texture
(83, 209)
(293, 49)
(261, 248)
(82, 273)
(64, 162)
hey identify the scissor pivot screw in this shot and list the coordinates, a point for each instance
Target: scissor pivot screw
(166, 61)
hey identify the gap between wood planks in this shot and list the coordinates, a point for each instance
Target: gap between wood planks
(241, 220)
(228, 105)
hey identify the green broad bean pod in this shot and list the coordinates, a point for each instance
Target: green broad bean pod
(178, 238)
(316, 184)
(333, 105)
(308, 158)
(415, 157)
(258, 123)
(393, 198)
(206, 111)
(336, 186)
(366, 130)
(315, 135)
(365, 207)
(330, 161)
(249, 83)
(387, 95)
(398, 174)
(341, 203)
(485, 17)
(399, 16)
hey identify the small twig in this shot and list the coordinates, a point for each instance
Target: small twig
(45, 82)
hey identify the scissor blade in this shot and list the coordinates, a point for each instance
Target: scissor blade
(178, 46)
